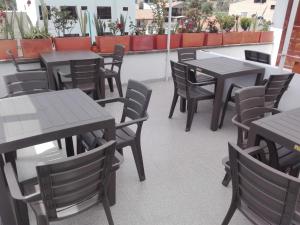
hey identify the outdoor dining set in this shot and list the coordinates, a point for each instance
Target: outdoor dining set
(61, 97)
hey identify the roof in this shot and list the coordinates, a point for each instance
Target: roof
(144, 14)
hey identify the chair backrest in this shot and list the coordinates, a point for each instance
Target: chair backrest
(258, 56)
(261, 192)
(186, 54)
(180, 75)
(11, 56)
(75, 180)
(24, 83)
(117, 56)
(275, 88)
(137, 101)
(85, 72)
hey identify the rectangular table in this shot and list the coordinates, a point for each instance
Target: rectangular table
(34, 119)
(57, 58)
(282, 128)
(223, 68)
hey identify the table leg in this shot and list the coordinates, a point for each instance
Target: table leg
(102, 87)
(69, 146)
(7, 214)
(182, 104)
(217, 104)
(51, 77)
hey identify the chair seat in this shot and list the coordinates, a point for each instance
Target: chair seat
(124, 137)
(110, 73)
(198, 93)
(288, 158)
(29, 158)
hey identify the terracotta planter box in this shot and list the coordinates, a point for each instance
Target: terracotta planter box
(106, 44)
(175, 41)
(8, 44)
(230, 38)
(266, 36)
(161, 41)
(72, 43)
(32, 48)
(250, 37)
(142, 43)
(213, 39)
(193, 39)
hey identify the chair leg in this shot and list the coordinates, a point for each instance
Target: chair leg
(231, 211)
(190, 114)
(59, 143)
(110, 84)
(225, 107)
(138, 158)
(174, 101)
(119, 85)
(120, 150)
(42, 220)
(105, 203)
(182, 105)
(226, 179)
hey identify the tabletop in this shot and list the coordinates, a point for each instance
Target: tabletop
(282, 128)
(222, 66)
(57, 56)
(48, 116)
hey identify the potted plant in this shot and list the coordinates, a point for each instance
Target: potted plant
(106, 43)
(35, 39)
(226, 24)
(63, 23)
(266, 35)
(248, 36)
(140, 41)
(159, 13)
(192, 27)
(213, 37)
(6, 28)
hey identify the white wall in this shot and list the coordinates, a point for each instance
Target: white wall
(116, 10)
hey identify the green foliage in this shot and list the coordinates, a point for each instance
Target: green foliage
(246, 23)
(134, 30)
(20, 23)
(266, 25)
(83, 22)
(9, 26)
(254, 22)
(35, 32)
(159, 13)
(226, 22)
(45, 15)
(207, 8)
(212, 26)
(118, 26)
(63, 21)
(100, 26)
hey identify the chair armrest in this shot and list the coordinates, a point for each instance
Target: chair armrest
(14, 187)
(255, 150)
(240, 125)
(213, 81)
(111, 100)
(112, 63)
(131, 122)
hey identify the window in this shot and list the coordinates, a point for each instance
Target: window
(259, 1)
(104, 12)
(125, 8)
(71, 9)
(41, 15)
(272, 6)
(83, 7)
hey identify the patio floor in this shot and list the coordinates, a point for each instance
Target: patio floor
(183, 171)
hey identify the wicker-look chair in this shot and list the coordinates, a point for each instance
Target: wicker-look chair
(275, 86)
(192, 92)
(115, 68)
(85, 75)
(36, 64)
(264, 195)
(135, 106)
(250, 106)
(67, 187)
(258, 56)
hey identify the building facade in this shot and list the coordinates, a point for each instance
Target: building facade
(104, 9)
(247, 8)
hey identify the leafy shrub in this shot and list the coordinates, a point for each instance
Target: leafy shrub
(246, 23)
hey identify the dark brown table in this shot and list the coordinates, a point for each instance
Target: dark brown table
(282, 128)
(58, 58)
(223, 68)
(34, 119)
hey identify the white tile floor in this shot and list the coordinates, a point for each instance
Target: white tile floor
(183, 171)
